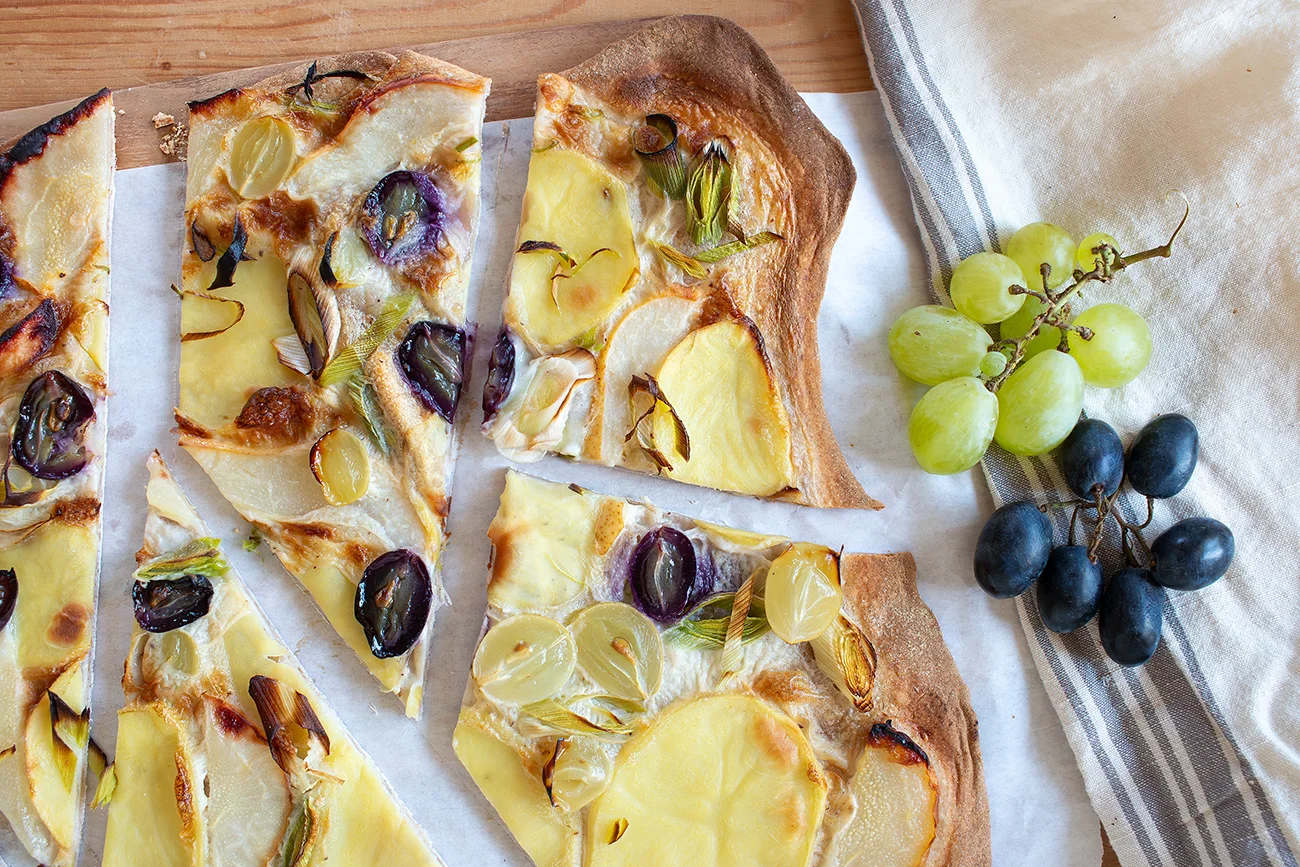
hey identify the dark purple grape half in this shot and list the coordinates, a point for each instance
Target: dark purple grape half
(403, 217)
(393, 602)
(432, 356)
(52, 421)
(162, 605)
(663, 574)
(501, 375)
(8, 595)
(6, 276)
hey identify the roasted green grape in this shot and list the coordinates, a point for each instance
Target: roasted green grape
(1043, 243)
(1088, 253)
(1119, 349)
(1039, 404)
(341, 464)
(525, 658)
(980, 287)
(262, 155)
(802, 596)
(952, 426)
(1048, 337)
(619, 648)
(932, 344)
(578, 772)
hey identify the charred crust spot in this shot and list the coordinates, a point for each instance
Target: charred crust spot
(316, 531)
(282, 217)
(184, 790)
(719, 306)
(192, 429)
(205, 106)
(358, 553)
(83, 510)
(32, 145)
(69, 624)
(231, 721)
(30, 338)
(903, 749)
(277, 415)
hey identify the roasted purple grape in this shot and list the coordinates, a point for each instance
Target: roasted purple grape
(162, 605)
(664, 575)
(501, 375)
(52, 420)
(403, 217)
(8, 595)
(6, 275)
(432, 356)
(393, 602)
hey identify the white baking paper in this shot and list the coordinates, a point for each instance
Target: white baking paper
(1040, 812)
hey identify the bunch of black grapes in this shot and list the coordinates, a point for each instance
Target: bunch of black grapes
(1016, 548)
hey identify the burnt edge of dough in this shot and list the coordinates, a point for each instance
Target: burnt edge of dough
(717, 60)
(32, 144)
(919, 687)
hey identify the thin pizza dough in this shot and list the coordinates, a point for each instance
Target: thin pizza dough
(56, 190)
(661, 313)
(653, 690)
(331, 216)
(226, 753)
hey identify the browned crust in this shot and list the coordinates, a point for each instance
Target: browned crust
(383, 68)
(702, 59)
(32, 145)
(919, 689)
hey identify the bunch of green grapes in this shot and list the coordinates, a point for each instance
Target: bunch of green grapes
(1024, 390)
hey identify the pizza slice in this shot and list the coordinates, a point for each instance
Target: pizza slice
(661, 314)
(226, 753)
(654, 690)
(331, 215)
(56, 189)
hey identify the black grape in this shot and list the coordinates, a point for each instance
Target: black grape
(1092, 455)
(1162, 458)
(1069, 590)
(1193, 554)
(1132, 614)
(1012, 549)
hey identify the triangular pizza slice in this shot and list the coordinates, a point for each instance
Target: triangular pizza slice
(226, 753)
(653, 690)
(330, 222)
(56, 191)
(661, 314)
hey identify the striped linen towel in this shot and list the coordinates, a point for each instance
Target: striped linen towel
(1086, 113)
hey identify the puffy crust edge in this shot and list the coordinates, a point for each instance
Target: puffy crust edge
(705, 56)
(32, 145)
(919, 688)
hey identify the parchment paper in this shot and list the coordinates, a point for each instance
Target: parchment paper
(1040, 812)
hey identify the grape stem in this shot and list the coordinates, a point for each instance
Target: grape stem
(1108, 263)
(1105, 508)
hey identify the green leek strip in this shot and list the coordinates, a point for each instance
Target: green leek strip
(466, 144)
(199, 557)
(365, 400)
(718, 253)
(708, 194)
(735, 628)
(553, 715)
(689, 264)
(699, 632)
(348, 362)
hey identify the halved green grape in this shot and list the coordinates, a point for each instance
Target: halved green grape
(802, 597)
(619, 648)
(578, 772)
(262, 155)
(1039, 404)
(993, 363)
(952, 426)
(525, 658)
(1119, 349)
(932, 344)
(1043, 242)
(1022, 320)
(1087, 255)
(980, 284)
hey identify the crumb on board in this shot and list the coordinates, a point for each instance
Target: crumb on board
(162, 119)
(177, 137)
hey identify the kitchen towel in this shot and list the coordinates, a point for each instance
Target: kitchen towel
(1086, 114)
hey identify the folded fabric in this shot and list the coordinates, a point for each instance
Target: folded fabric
(1087, 114)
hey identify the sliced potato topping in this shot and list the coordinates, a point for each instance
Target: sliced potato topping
(718, 382)
(53, 626)
(893, 822)
(517, 794)
(543, 540)
(52, 792)
(577, 254)
(144, 823)
(720, 780)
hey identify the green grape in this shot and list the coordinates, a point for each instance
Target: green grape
(932, 344)
(1119, 349)
(993, 363)
(619, 648)
(1086, 258)
(1039, 404)
(952, 426)
(525, 658)
(980, 284)
(1019, 324)
(1043, 242)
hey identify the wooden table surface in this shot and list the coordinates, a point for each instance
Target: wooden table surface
(63, 49)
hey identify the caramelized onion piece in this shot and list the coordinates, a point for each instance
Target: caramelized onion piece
(27, 340)
(281, 710)
(315, 315)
